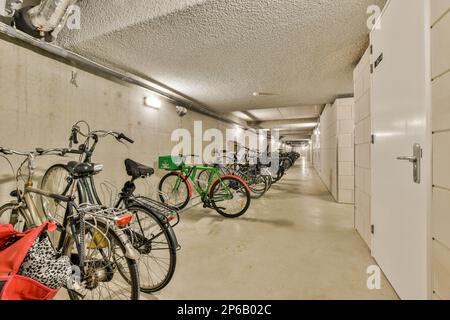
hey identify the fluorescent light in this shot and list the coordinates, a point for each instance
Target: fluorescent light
(241, 115)
(152, 102)
(238, 131)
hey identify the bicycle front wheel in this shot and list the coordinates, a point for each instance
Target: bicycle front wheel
(230, 197)
(174, 191)
(56, 180)
(106, 274)
(259, 187)
(11, 214)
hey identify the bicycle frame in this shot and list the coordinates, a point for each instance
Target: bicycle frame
(191, 173)
(35, 217)
(88, 194)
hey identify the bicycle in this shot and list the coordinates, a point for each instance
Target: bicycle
(254, 175)
(228, 195)
(151, 231)
(93, 238)
(286, 161)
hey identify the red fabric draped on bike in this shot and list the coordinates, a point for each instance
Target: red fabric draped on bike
(14, 247)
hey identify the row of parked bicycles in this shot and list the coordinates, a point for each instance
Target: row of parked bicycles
(117, 251)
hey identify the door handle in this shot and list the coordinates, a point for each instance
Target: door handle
(410, 159)
(416, 160)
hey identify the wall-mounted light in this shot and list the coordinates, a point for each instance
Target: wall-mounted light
(152, 102)
(237, 132)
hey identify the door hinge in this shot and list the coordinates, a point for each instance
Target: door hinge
(371, 68)
(372, 229)
(371, 49)
(372, 139)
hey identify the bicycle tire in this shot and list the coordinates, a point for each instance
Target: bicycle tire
(257, 193)
(172, 251)
(181, 205)
(11, 207)
(204, 174)
(132, 280)
(244, 189)
(47, 204)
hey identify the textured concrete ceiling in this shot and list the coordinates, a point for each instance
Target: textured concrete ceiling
(219, 52)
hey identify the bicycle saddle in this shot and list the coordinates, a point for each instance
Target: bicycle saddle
(137, 170)
(84, 169)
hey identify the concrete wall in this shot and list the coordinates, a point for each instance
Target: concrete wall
(333, 150)
(440, 35)
(39, 104)
(363, 145)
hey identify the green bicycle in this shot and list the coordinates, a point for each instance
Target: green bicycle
(229, 195)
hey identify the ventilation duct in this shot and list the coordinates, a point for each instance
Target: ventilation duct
(9, 7)
(41, 20)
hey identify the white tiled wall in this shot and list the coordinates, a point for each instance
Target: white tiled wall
(333, 150)
(440, 37)
(328, 149)
(315, 146)
(363, 132)
(346, 150)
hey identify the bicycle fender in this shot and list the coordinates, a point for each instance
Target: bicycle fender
(162, 218)
(173, 238)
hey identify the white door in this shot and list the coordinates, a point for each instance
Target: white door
(401, 102)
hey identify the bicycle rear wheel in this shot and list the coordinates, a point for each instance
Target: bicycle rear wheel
(108, 273)
(154, 242)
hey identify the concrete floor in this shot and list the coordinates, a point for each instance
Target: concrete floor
(295, 243)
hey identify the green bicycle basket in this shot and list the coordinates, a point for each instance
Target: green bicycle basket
(170, 162)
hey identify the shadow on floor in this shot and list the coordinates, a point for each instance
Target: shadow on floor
(199, 214)
(289, 193)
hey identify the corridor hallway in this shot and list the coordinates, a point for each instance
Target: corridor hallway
(295, 243)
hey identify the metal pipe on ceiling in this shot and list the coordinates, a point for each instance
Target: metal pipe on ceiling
(80, 61)
(48, 14)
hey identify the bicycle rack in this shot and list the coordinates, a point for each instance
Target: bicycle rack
(166, 197)
(110, 193)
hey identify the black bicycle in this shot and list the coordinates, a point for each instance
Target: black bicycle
(151, 231)
(94, 238)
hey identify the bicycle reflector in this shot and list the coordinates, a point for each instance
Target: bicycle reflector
(124, 220)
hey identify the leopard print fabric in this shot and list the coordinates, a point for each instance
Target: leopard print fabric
(42, 265)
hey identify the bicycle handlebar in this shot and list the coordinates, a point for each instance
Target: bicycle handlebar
(9, 152)
(124, 137)
(36, 152)
(97, 134)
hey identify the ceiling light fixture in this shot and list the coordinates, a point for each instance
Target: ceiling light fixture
(152, 102)
(260, 94)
